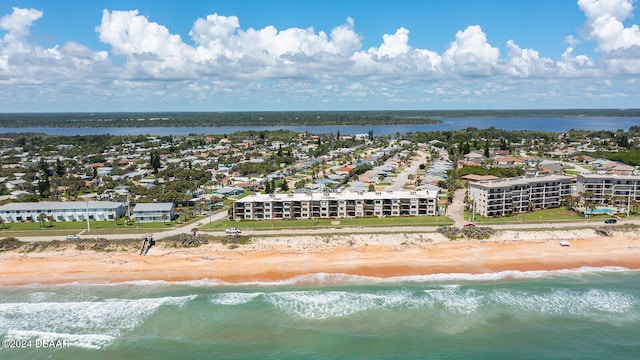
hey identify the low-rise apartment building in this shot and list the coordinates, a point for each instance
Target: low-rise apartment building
(516, 195)
(599, 188)
(336, 205)
(153, 212)
(62, 211)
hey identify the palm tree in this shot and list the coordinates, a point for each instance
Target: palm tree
(570, 201)
(41, 217)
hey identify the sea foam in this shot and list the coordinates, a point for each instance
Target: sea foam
(234, 298)
(108, 318)
(453, 300)
(342, 278)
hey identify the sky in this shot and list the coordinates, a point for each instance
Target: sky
(278, 55)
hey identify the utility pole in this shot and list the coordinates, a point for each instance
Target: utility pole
(473, 210)
(88, 223)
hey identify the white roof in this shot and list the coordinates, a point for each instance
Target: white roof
(153, 207)
(58, 205)
(340, 196)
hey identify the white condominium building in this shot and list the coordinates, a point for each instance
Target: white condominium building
(516, 195)
(336, 205)
(61, 211)
(620, 189)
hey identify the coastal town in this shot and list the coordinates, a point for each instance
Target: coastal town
(278, 175)
(320, 179)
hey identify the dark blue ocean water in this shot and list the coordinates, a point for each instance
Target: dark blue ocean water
(551, 124)
(578, 314)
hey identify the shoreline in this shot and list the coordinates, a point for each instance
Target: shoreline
(276, 259)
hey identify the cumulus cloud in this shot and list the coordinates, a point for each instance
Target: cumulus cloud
(471, 54)
(24, 62)
(17, 23)
(605, 23)
(574, 65)
(223, 48)
(221, 58)
(526, 62)
(393, 45)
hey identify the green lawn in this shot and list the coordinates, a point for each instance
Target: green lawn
(96, 227)
(557, 214)
(331, 223)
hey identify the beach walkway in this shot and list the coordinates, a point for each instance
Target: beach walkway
(456, 209)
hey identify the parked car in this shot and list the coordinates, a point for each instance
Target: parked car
(73, 237)
(610, 221)
(470, 225)
(233, 231)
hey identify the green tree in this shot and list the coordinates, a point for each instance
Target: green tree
(623, 141)
(41, 217)
(154, 161)
(44, 167)
(60, 170)
(44, 185)
(504, 145)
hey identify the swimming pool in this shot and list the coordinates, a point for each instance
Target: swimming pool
(599, 211)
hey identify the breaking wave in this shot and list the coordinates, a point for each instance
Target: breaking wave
(92, 323)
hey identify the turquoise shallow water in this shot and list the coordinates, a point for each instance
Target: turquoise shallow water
(581, 314)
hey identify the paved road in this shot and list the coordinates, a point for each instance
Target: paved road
(453, 213)
(400, 180)
(581, 169)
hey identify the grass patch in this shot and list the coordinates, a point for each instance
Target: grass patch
(330, 223)
(547, 215)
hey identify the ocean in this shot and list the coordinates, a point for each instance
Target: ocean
(579, 314)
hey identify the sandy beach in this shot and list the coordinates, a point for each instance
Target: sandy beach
(283, 257)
